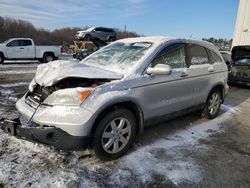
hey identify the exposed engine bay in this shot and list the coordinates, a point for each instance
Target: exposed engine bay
(40, 93)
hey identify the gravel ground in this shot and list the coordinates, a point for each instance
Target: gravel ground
(185, 152)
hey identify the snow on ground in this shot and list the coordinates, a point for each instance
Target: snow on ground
(17, 72)
(23, 163)
(144, 161)
(16, 65)
(13, 85)
(7, 96)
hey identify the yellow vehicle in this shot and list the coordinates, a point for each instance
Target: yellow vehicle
(80, 45)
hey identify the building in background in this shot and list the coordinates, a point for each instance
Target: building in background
(242, 27)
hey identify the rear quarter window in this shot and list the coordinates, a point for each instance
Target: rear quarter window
(26, 43)
(213, 57)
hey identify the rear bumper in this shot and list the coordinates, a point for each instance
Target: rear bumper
(51, 136)
(239, 79)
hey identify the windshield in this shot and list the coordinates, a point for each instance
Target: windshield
(119, 56)
(90, 29)
(245, 61)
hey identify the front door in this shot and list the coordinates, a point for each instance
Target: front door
(165, 94)
(14, 49)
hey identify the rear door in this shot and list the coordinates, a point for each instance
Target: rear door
(100, 34)
(200, 72)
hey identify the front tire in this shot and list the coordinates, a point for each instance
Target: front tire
(213, 103)
(114, 134)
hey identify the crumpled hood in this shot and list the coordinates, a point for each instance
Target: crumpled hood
(50, 73)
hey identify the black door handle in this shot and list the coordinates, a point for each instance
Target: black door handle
(21, 48)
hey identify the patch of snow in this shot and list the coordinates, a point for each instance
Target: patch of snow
(17, 72)
(23, 163)
(7, 96)
(171, 163)
(5, 66)
(5, 92)
(21, 61)
(14, 84)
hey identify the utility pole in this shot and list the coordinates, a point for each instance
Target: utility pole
(125, 30)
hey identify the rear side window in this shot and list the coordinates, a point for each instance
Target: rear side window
(214, 58)
(109, 30)
(26, 43)
(197, 55)
(173, 55)
(226, 57)
(99, 29)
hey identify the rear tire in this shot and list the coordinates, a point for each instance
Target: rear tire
(213, 103)
(87, 37)
(48, 57)
(111, 39)
(70, 51)
(114, 134)
(1, 59)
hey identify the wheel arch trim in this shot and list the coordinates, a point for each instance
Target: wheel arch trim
(121, 103)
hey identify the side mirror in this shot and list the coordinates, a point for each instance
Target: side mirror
(159, 69)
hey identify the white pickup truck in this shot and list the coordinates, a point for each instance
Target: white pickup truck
(25, 49)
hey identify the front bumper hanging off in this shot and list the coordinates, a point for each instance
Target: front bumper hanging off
(47, 135)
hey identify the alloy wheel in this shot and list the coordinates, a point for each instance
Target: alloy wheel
(214, 103)
(116, 135)
(49, 58)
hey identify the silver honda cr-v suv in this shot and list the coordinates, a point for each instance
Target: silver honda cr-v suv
(107, 99)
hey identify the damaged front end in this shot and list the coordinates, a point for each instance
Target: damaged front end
(52, 136)
(53, 110)
(69, 91)
(48, 119)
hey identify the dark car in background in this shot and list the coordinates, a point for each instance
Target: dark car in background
(84, 53)
(80, 55)
(240, 71)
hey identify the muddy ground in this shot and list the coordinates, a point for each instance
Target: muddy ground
(184, 152)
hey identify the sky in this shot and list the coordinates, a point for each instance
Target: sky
(177, 18)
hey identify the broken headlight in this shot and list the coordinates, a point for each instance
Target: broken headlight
(32, 85)
(69, 96)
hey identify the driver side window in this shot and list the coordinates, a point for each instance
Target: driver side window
(173, 55)
(13, 43)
